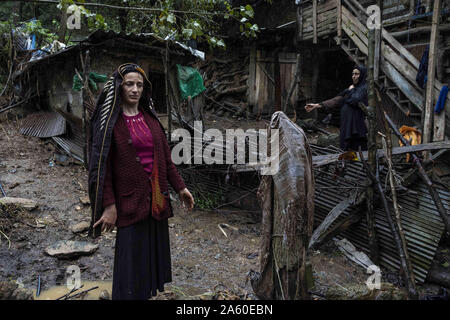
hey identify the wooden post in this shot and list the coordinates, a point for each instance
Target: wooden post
(439, 119)
(168, 105)
(315, 80)
(277, 78)
(427, 125)
(434, 194)
(372, 149)
(378, 36)
(251, 79)
(85, 97)
(398, 228)
(299, 23)
(314, 19)
(339, 22)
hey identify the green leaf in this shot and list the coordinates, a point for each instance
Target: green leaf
(446, 265)
(171, 18)
(249, 11)
(187, 33)
(254, 27)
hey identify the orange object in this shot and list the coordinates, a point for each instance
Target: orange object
(410, 134)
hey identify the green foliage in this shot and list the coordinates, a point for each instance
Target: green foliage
(207, 200)
(43, 35)
(181, 20)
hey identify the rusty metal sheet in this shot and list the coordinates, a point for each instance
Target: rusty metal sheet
(44, 125)
(420, 219)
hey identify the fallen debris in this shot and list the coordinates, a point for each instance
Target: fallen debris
(66, 249)
(20, 202)
(80, 227)
(349, 250)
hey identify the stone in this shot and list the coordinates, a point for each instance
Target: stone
(78, 208)
(20, 202)
(85, 200)
(10, 290)
(13, 185)
(104, 295)
(66, 249)
(80, 227)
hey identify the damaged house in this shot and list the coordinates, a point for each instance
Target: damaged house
(53, 82)
(304, 53)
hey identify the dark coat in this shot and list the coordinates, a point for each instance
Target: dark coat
(353, 129)
(126, 183)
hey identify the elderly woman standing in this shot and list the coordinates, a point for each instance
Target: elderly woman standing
(130, 168)
(353, 127)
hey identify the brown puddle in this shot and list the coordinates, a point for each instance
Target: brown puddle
(170, 292)
(58, 291)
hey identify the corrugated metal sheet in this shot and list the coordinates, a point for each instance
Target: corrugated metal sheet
(44, 125)
(71, 147)
(420, 219)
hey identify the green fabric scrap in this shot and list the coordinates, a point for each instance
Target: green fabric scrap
(190, 82)
(94, 78)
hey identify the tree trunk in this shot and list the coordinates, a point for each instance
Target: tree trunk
(63, 24)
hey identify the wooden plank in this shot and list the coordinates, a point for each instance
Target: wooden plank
(400, 64)
(327, 6)
(339, 22)
(330, 23)
(353, 35)
(397, 45)
(331, 217)
(315, 21)
(377, 58)
(439, 119)
(429, 96)
(258, 107)
(330, 158)
(408, 90)
(321, 17)
(354, 25)
(251, 77)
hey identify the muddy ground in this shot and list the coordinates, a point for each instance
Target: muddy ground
(206, 261)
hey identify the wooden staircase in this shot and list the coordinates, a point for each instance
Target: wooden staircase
(398, 67)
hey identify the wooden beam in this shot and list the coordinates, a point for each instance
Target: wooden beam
(427, 125)
(315, 21)
(439, 119)
(339, 21)
(330, 158)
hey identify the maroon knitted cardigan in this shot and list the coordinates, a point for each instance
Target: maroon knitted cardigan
(126, 183)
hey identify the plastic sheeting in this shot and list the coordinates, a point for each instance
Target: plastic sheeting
(190, 82)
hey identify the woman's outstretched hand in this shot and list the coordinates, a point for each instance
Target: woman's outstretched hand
(311, 106)
(108, 218)
(186, 199)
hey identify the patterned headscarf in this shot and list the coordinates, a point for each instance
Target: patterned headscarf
(111, 91)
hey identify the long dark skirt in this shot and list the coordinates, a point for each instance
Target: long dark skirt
(142, 260)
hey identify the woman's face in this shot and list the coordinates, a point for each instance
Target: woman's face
(355, 76)
(132, 88)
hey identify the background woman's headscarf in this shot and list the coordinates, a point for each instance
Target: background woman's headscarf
(362, 76)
